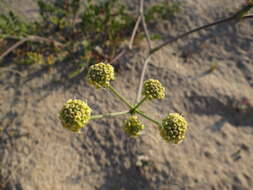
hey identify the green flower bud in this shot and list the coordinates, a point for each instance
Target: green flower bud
(173, 128)
(153, 89)
(132, 126)
(100, 74)
(74, 115)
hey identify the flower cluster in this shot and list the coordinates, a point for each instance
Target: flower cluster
(132, 126)
(173, 128)
(100, 75)
(153, 89)
(74, 115)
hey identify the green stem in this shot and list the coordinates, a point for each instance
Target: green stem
(147, 117)
(138, 105)
(108, 115)
(114, 91)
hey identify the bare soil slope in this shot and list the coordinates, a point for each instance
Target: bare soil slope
(217, 154)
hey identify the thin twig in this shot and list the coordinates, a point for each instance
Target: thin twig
(222, 21)
(147, 117)
(139, 104)
(123, 52)
(115, 92)
(134, 32)
(229, 19)
(147, 36)
(147, 33)
(108, 115)
(12, 48)
(29, 38)
(147, 58)
(140, 18)
(146, 61)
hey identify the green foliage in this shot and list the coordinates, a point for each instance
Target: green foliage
(88, 30)
(12, 25)
(57, 16)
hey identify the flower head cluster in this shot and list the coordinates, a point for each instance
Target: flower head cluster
(74, 115)
(132, 126)
(100, 75)
(173, 128)
(153, 89)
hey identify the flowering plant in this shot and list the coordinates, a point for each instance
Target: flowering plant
(76, 113)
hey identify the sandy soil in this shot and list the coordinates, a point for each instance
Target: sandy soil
(217, 154)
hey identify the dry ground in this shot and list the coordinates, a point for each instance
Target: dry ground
(217, 153)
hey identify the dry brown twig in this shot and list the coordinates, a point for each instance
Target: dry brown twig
(147, 36)
(130, 45)
(147, 58)
(30, 38)
(117, 57)
(222, 21)
(144, 68)
(141, 18)
(157, 48)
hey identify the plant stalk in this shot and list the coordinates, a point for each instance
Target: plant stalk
(108, 115)
(138, 105)
(147, 117)
(115, 92)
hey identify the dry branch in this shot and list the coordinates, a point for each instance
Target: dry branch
(204, 27)
(222, 21)
(134, 32)
(147, 36)
(30, 38)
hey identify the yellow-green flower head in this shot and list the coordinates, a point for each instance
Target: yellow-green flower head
(173, 128)
(74, 115)
(132, 126)
(153, 89)
(100, 75)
